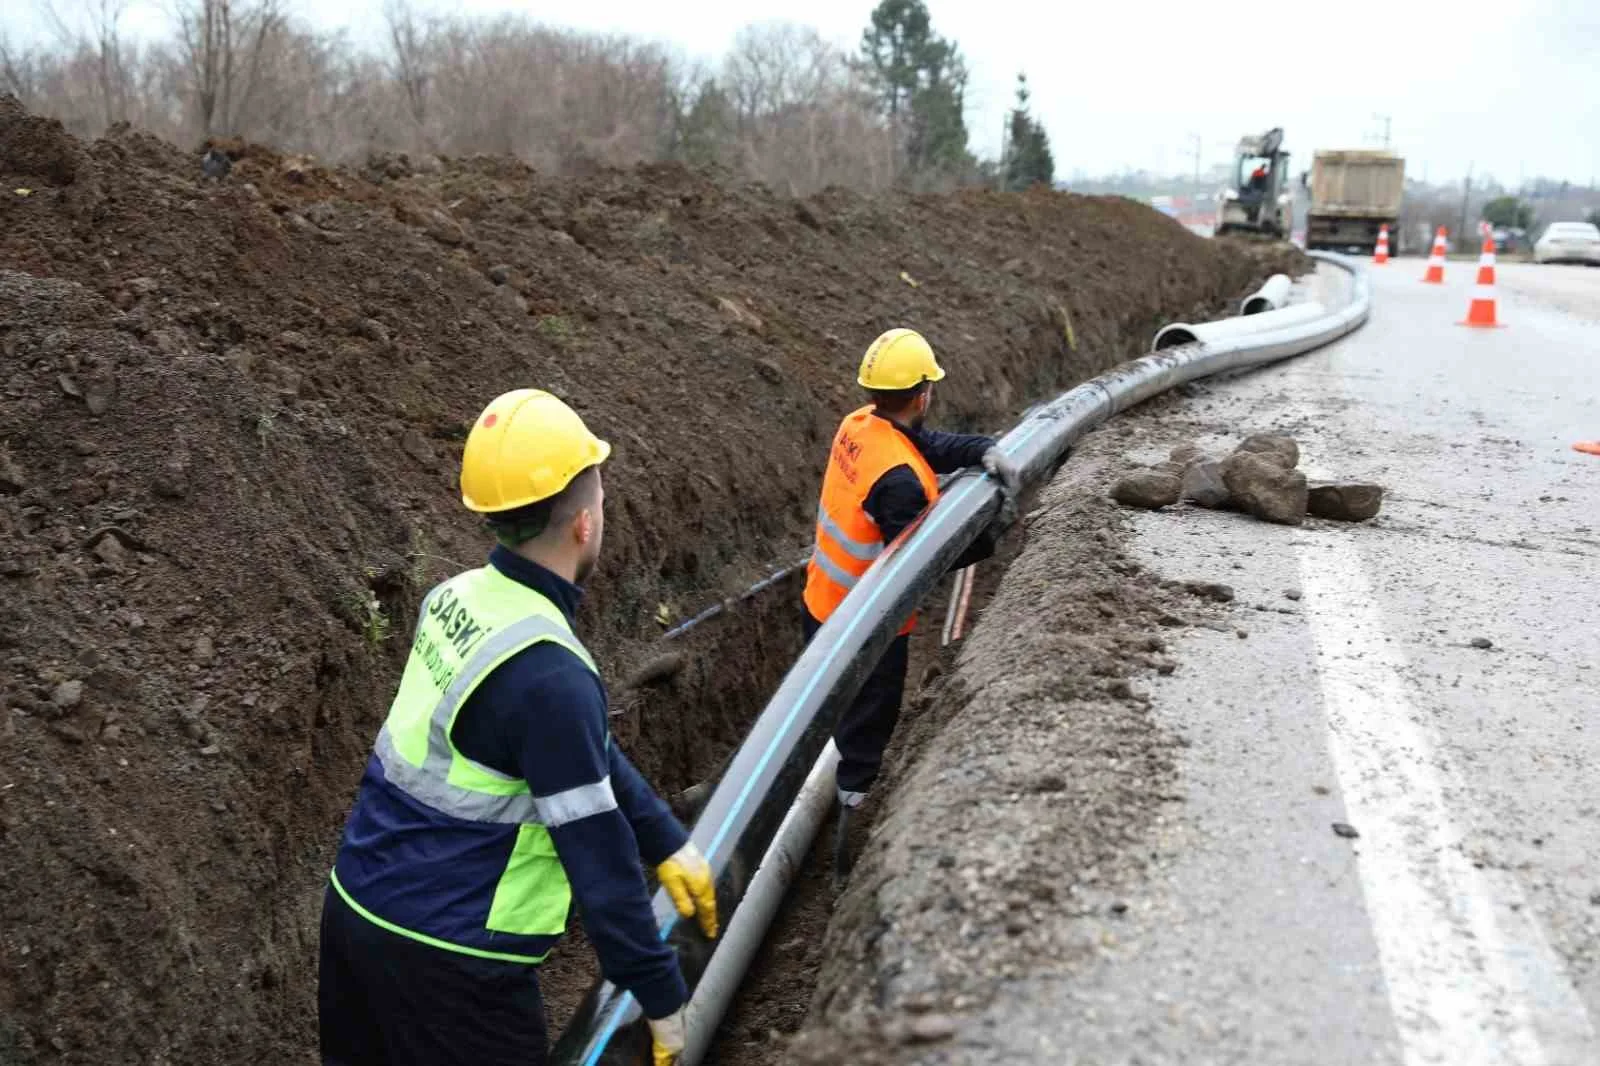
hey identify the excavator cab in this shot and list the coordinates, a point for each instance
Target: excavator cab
(1256, 200)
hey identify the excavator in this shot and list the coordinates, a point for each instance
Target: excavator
(1258, 202)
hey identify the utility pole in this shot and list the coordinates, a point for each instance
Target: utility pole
(1005, 145)
(1466, 194)
(1387, 121)
(1194, 138)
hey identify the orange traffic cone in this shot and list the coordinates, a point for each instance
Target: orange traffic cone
(1481, 311)
(1380, 256)
(1435, 274)
(1588, 447)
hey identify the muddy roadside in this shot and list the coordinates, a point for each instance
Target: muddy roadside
(1030, 801)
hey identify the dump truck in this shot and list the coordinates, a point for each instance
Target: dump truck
(1257, 199)
(1354, 193)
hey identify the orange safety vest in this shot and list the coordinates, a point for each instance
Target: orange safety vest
(848, 540)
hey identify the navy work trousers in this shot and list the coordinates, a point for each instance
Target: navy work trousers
(386, 1000)
(863, 730)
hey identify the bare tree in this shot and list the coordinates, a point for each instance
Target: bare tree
(785, 107)
(90, 34)
(19, 73)
(777, 65)
(224, 44)
(805, 118)
(409, 61)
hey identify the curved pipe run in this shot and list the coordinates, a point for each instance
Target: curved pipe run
(752, 820)
(1226, 329)
(1271, 296)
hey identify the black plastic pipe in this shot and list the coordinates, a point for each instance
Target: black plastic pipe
(739, 820)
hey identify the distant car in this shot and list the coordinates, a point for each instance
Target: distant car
(1569, 242)
(1510, 240)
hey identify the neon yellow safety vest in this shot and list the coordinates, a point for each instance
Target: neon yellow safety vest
(506, 907)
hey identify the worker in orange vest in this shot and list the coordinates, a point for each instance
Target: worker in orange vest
(881, 476)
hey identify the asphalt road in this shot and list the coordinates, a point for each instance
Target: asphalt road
(1462, 926)
(1118, 844)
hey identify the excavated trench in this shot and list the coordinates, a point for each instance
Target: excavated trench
(230, 417)
(777, 993)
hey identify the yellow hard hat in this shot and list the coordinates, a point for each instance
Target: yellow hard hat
(899, 359)
(525, 447)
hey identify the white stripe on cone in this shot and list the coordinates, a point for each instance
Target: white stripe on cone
(1483, 292)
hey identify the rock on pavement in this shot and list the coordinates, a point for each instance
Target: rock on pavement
(1147, 488)
(1203, 484)
(1260, 486)
(1352, 501)
(1275, 446)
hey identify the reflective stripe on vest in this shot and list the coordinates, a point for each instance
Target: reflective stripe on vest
(467, 627)
(429, 781)
(847, 539)
(863, 550)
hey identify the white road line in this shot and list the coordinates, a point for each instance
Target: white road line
(1471, 977)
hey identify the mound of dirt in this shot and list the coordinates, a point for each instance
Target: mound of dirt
(955, 906)
(230, 415)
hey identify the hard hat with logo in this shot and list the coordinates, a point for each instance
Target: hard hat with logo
(899, 359)
(526, 446)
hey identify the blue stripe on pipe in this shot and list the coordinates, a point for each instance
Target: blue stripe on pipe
(1025, 433)
(611, 1024)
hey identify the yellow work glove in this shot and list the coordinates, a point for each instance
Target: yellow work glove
(687, 878)
(667, 1034)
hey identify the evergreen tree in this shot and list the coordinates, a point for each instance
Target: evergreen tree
(921, 81)
(894, 44)
(706, 130)
(1028, 159)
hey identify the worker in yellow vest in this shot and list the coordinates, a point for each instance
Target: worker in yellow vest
(881, 475)
(495, 796)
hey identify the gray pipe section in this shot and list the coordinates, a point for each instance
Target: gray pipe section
(1226, 329)
(737, 946)
(777, 762)
(1271, 296)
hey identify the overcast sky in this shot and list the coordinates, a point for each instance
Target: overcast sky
(1126, 84)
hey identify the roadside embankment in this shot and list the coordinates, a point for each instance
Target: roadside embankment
(230, 418)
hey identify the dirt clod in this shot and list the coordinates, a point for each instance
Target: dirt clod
(67, 695)
(658, 671)
(1203, 484)
(1275, 446)
(1482, 643)
(11, 477)
(1210, 590)
(1348, 501)
(930, 1028)
(1149, 489)
(1186, 455)
(109, 550)
(1259, 485)
(1346, 830)
(204, 650)
(416, 445)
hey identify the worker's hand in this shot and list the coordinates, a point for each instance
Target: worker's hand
(1000, 466)
(687, 878)
(667, 1036)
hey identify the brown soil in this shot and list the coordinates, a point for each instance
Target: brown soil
(230, 415)
(777, 994)
(1018, 867)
